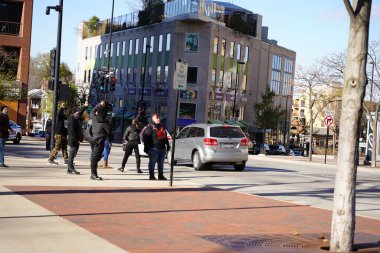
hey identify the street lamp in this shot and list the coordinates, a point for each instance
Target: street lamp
(373, 69)
(236, 86)
(109, 53)
(147, 50)
(59, 9)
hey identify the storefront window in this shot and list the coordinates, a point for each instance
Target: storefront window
(187, 110)
(192, 42)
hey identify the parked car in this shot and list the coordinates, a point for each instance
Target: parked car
(208, 144)
(141, 145)
(276, 150)
(16, 134)
(251, 145)
(259, 147)
(297, 151)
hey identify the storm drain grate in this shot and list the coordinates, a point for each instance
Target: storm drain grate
(243, 242)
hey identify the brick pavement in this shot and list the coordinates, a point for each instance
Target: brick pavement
(194, 219)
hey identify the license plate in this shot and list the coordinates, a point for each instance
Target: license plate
(228, 145)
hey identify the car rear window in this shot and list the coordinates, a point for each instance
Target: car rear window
(226, 132)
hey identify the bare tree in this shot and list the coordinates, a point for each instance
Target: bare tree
(355, 80)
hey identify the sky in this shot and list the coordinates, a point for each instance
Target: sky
(313, 29)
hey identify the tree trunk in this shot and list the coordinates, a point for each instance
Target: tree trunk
(343, 217)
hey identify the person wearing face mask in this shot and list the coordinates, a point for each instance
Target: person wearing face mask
(5, 128)
(156, 144)
(75, 136)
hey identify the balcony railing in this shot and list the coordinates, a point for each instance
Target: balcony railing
(10, 28)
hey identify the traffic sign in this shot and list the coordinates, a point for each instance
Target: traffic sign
(329, 121)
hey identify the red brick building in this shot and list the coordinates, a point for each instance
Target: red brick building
(15, 37)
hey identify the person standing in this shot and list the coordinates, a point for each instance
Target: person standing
(5, 128)
(156, 145)
(60, 137)
(132, 137)
(75, 136)
(48, 126)
(100, 132)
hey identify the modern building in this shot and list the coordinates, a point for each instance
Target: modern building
(15, 37)
(227, 68)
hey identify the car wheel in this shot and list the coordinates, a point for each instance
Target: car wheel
(18, 139)
(239, 167)
(197, 163)
(169, 156)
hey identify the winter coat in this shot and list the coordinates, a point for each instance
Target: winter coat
(132, 134)
(4, 126)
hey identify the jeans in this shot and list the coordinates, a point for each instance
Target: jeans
(2, 147)
(107, 150)
(73, 150)
(156, 156)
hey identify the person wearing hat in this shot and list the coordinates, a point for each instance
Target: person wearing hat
(75, 136)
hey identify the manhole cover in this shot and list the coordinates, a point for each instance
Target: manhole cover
(244, 242)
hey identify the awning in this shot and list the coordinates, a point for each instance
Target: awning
(186, 122)
(215, 121)
(230, 122)
(244, 123)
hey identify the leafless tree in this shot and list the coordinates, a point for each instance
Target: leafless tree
(355, 80)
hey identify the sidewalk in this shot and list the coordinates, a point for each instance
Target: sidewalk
(45, 210)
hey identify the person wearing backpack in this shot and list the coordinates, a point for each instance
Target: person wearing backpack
(156, 144)
(132, 137)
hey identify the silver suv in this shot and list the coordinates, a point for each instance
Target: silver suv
(208, 144)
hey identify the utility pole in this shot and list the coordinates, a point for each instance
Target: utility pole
(59, 9)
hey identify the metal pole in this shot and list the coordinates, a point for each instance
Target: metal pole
(236, 82)
(286, 117)
(58, 8)
(174, 137)
(109, 53)
(373, 69)
(327, 142)
(147, 48)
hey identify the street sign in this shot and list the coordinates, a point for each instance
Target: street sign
(329, 113)
(329, 121)
(180, 76)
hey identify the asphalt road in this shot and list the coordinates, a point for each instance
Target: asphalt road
(272, 177)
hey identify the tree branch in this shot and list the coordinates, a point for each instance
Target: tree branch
(349, 9)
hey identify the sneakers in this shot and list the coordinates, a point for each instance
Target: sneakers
(73, 171)
(152, 178)
(96, 177)
(3, 165)
(121, 169)
(52, 162)
(162, 178)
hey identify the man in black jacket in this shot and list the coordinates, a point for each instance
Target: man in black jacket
(75, 137)
(101, 129)
(60, 137)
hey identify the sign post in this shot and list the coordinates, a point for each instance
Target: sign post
(179, 83)
(329, 121)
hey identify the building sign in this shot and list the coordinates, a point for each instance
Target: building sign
(244, 98)
(180, 76)
(189, 94)
(147, 92)
(161, 93)
(216, 96)
(231, 97)
(130, 91)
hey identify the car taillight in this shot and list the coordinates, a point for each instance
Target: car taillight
(244, 143)
(210, 142)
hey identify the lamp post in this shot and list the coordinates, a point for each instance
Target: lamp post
(59, 9)
(236, 86)
(373, 69)
(147, 49)
(109, 53)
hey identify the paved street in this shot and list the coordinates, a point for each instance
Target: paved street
(126, 212)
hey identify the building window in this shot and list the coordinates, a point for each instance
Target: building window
(187, 110)
(123, 49)
(151, 44)
(158, 74)
(144, 45)
(130, 47)
(128, 74)
(221, 76)
(223, 49)
(276, 62)
(288, 77)
(166, 74)
(244, 83)
(246, 54)
(192, 73)
(232, 45)
(86, 53)
(137, 46)
(149, 74)
(134, 75)
(168, 38)
(118, 48)
(101, 51)
(213, 77)
(238, 52)
(276, 81)
(96, 51)
(160, 41)
(111, 53)
(216, 42)
(192, 42)
(106, 51)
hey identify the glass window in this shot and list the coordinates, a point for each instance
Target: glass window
(213, 77)
(137, 46)
(223, 49)
(193, 132)
(151, 44)
(158, 74)
(238, 52)
(192, 73)
(184, 133)
(130, 47)
(168, 38)
(246, 54)
(166, 74)
(123, 49)
(221, 76)
(216, 42)
(192, 42)
(232, 48)
(200, 132)
(187, 110)
(160, 41)
(106, 51)
(229, 132)
(144, 45)
(118, 48)
(111, 53)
